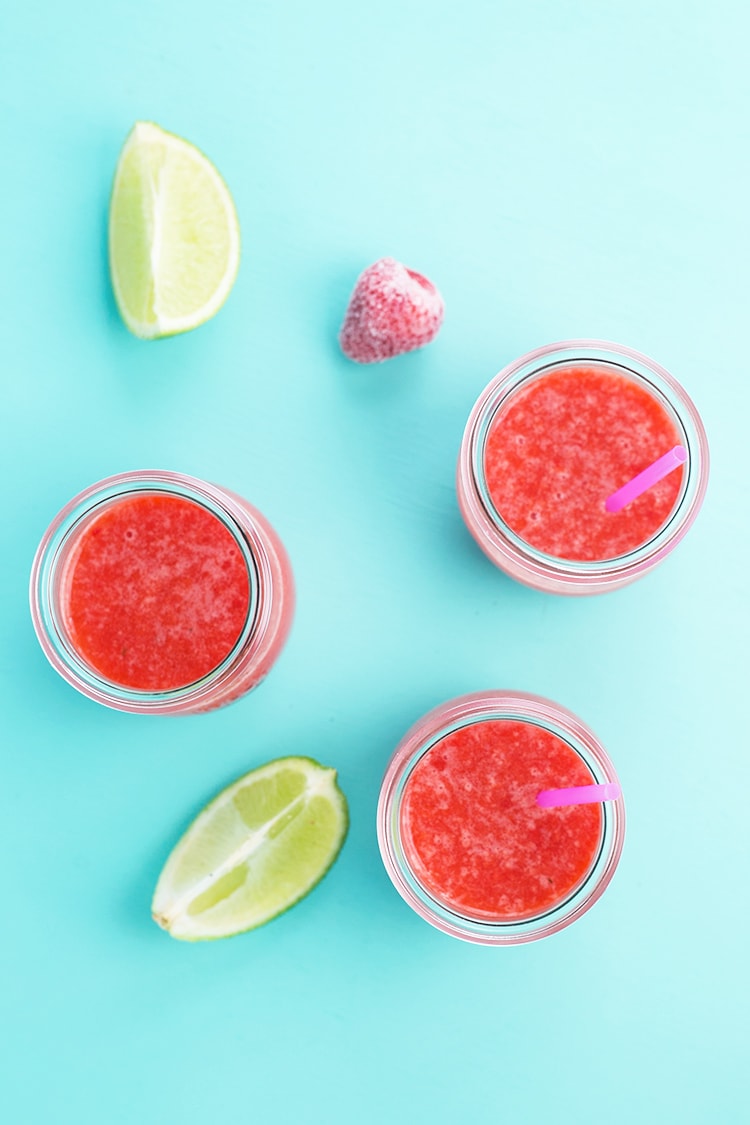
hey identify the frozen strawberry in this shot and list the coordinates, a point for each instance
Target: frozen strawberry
(392, 310)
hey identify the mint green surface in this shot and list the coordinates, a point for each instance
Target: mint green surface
(558, 168)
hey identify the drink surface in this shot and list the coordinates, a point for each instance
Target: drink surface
(567, 441)
(473, 833)
(157, 592)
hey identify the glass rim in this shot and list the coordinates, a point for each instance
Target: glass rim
(50, 560)
(456, 714)
(509, 550)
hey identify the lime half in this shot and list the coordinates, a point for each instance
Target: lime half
(253, 852)
(174, 239)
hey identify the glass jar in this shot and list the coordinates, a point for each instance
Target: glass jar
(270, 602)
(510, 551)
(395, 846)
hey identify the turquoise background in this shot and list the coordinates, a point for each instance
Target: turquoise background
(559, 168)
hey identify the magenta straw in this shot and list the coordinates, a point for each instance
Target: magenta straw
(647, 479)
(578, 795)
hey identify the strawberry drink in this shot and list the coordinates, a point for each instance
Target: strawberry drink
(464, 835)
(157, 592)
(473, 832)
(552, 457)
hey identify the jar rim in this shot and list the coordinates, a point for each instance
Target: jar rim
(510, 551)
(56, 545)
(421, 738)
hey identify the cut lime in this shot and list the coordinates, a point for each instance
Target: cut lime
(253, 852)
(174, 239)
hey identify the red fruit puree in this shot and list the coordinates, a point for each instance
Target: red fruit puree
(473, 833)
(567, 441)
(156, 593)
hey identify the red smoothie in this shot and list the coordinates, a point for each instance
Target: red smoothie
(156, 592)
(473, 833)
(565, 442)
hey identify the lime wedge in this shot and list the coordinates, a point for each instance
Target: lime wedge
(174, 239)
(253, 852)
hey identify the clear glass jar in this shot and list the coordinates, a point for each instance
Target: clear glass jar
(512, 553)
(270, 607)
(394, 848)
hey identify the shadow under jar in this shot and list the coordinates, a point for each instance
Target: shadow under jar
(462, 836)
(158, 593)
(549, 442)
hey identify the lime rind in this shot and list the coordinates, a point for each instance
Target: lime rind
(232, 871)
(174, 241)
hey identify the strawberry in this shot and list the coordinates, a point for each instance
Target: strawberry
(392, 310)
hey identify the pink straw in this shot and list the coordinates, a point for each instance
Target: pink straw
(578, 795)
(647, 479)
